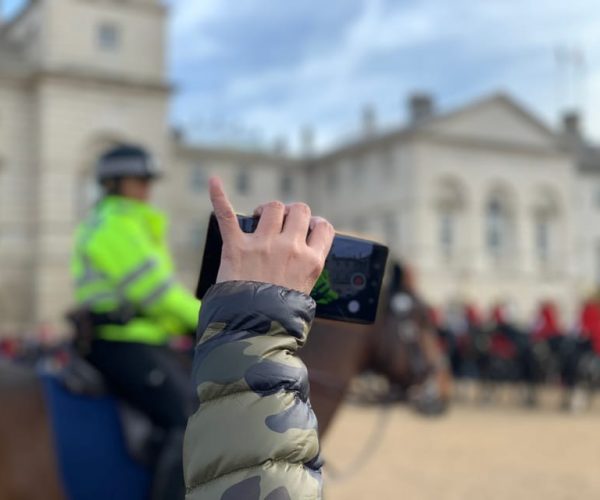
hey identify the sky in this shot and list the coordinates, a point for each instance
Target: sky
(257, 71)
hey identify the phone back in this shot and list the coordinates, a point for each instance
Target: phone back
(347, 290)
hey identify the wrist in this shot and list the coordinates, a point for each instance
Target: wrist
(253, 305)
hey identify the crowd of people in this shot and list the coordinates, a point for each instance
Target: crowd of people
(497, 348)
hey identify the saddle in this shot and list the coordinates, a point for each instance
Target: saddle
(81, 378)
(142, 438)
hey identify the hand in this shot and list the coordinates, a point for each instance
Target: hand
(279, 251)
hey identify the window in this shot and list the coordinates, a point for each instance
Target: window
(243, 181)
(495, 227)
(287, 185)
(197, 234)
(390, 227)
(446, 233)
(331, 179)
(546, 225)
(597, 259)
(450, 205)
(199, 178)
(387, 163)
(542, 238)
(498, 227)
(88, 193)
(357, 169)
(108, 36)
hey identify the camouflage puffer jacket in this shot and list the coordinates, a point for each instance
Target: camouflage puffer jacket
(254, 436)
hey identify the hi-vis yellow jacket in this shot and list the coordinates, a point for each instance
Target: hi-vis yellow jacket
(121, 262)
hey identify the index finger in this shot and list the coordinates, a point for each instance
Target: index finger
(228, 222)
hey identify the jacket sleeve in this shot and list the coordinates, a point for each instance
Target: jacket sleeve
(254, 435)
(141, 274)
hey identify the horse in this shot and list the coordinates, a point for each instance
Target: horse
(411, 359)
(28, 469)
(334, 355)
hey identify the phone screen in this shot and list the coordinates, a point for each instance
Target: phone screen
(347, 290)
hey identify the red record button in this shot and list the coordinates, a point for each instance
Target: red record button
(358, 280)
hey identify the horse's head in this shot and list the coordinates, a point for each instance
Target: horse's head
(406, 351)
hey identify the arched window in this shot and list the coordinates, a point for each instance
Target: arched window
(499, 226)
(546, 227)
(450, 202)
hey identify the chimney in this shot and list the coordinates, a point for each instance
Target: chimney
(177, 133)
(369, 121)
(307, 142)
(572, 124)
(571, 129)
(280, 146)
(420, 107)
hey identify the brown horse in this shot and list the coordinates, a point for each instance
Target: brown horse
(334, 355)
(28, 469)
(411, 361)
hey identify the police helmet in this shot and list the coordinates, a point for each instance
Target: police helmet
(126, 161)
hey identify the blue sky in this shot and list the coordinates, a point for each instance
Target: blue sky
(258, 70)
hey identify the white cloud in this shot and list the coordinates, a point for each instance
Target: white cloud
(504, 44)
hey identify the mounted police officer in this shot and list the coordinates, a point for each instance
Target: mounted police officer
(124, 277)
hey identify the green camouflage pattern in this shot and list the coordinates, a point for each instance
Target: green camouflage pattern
(254, 436)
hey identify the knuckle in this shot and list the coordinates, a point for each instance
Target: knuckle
(275, 205)
(302, 208)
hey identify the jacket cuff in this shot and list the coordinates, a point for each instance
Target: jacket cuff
(253, 306)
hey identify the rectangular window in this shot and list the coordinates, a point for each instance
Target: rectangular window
(199, 178)
(446, 234)
(242, 182)
(597, 270)
(198, 234)
(357, 169)
(542, 240)
(287, 185)
(390, 227)
(108, 36)
(387, 163)
(331, 179)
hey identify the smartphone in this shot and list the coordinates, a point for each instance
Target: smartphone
(347, 290)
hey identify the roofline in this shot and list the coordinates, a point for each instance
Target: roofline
(413, 130)
(516, 105)
(224, 152)
(24, 12)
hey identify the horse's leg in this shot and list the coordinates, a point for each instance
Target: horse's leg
(27, 466)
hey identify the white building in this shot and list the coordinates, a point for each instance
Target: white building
(486, 202)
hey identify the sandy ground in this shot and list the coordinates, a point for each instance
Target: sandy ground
(498, 451)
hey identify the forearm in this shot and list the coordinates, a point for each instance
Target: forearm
(254, 419)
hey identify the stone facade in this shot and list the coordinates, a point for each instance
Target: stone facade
(75, 77)
(486, 202)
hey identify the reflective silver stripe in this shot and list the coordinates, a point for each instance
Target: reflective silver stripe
(90, 275)
(157, 293)
(138, 272)
(99, 297)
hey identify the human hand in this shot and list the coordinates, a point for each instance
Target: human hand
(280, 251)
